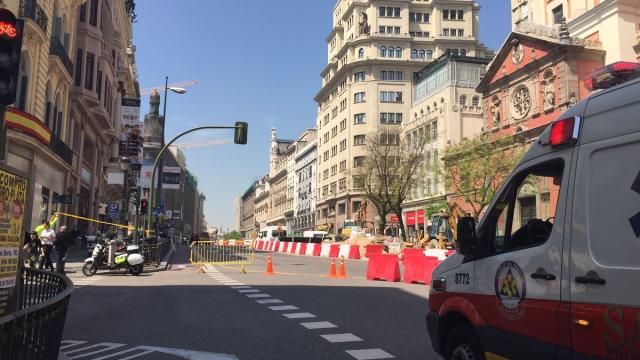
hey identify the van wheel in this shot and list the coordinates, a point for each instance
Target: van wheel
(462, 344)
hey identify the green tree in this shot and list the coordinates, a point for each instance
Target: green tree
(234, 235)
(475, 169)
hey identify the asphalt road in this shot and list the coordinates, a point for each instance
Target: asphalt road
(299, 313)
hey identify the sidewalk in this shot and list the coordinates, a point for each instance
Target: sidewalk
(76, 258)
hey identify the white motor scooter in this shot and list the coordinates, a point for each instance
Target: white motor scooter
(130, 260)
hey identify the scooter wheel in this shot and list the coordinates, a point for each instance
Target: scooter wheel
(89, 269)
(136, 269)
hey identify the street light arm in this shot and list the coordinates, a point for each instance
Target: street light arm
(159, 156)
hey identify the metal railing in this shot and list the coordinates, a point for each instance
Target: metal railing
(56, 49)
(61, 149)
(30, 9)
(154, 252)
(222, 252)
(35, 330)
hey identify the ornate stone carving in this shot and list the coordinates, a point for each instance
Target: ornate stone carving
(549, 90)
(364, 24)
(495, 110)
(521, 102)
(517, 52)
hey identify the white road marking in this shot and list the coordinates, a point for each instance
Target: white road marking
(370, 354)
(299, 315)
(249, 291)
(258, 295)
(233, 283)
(336, 338)
(269, 301)
(318, 325)
(189, 354)
(105, 347)
(283, 307)
(124, 352)
(241, 287)
(70, 343)
(137, 355)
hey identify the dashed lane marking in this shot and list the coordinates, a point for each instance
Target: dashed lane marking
(258, 295)
(241, 287)
(270, 301)
(70, 343)
(370, 354)
(339, 338)
(248, 291)
(283, 307)
(302, 315)
(318, 325)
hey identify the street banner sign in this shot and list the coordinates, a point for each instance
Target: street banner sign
(113, 210)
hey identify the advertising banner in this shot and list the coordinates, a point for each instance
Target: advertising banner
(13, 198)
(171, 177)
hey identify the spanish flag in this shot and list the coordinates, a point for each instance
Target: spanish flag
(27, 123)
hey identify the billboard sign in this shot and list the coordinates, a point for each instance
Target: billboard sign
(171, 177)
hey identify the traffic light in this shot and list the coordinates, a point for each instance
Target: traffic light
(240, 136)
(144, 206)
(10, 47)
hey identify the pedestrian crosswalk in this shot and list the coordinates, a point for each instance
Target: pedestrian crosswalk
(80, 349)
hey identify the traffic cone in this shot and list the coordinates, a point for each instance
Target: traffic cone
(269, 266)
(332, 269)
(343, 271)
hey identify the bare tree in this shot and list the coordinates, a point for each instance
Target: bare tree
(391, 167)
(475, 169)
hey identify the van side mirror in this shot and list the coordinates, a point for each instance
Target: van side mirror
(467, 239)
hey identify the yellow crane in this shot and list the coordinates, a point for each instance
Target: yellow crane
(182, 84)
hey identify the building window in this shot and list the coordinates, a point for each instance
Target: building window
(389, 139)
(358, 119)
(334, 150)
(343, 124)
(390, 96)
(78, 64)
(557, 14)
(23, 83)
(445, 32)
(358, 97)
(343, 165)
(475, 101)
(343, 145)
(359, 140)
(325, 174)
(414, 54)
(358, 161)
(390, 118)
(460, 32)
(383, 51)
(463, 52)
(389, 11)
(361, 53)
(398, 52)
(334, 131)
(359, 76)
(88, 80)
(429, 54)
(83, 12)
(342, 185)
(463, 100)
(341, 207)
(390, 75)
(418, 17)
(334, 170)
(93, 16)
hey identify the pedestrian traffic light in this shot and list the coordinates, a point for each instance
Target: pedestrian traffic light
(10, 47)
(144, 206)
(240, 136)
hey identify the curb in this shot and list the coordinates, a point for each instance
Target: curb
(163, 264)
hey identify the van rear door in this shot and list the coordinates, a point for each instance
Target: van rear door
(604, 276)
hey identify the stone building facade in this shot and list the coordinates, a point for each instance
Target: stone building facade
(304, 202)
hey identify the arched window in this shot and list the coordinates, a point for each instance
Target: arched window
(454, 51)
(463, 100)
(429, 54)
(390, 52)
(475, 101)
(383, 51)
(361, 53)
(421, 54)
(414, 54)
(463, 52)
(23, 84)
(399, 53)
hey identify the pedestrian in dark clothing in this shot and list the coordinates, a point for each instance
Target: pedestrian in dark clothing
(62, 243)
(32, 248)
(47, 237)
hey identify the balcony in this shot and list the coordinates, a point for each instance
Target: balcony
(29, 9)
(61, 149)
(56, 49)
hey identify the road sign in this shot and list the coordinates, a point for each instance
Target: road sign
(113, 210)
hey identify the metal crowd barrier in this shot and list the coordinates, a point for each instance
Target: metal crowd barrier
(154, 252)
(35, 330)
(222, 252)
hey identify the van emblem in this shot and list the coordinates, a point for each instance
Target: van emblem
(511, 290)
(635, 219)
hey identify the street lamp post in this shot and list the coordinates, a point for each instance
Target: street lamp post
(125, 165)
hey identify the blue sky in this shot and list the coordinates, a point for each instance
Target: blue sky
(257, 61)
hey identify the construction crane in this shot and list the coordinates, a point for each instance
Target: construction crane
(182, 84)
(201, 144)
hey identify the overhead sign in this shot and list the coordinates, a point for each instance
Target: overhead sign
(13, 199)
(171, 177)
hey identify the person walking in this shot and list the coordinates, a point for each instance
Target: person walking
(62, 244)
(47, 238)
(32, 249)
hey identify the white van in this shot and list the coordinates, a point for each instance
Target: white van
(552, 271)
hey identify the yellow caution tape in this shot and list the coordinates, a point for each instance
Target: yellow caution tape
(129, 227)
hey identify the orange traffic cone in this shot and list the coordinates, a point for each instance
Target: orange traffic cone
(343, 271)
(332, 269)
(269, 266)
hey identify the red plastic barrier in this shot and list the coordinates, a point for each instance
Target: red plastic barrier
(373, 249)
(418, 268)
(303, 248)
(225, 243)
(317, 249)
(334, 251)
(286, 247)
(354, 252)
(292, 248)
(450, 252)
(274, 245)
(383, 267)
(259, 245)
(413, 252)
